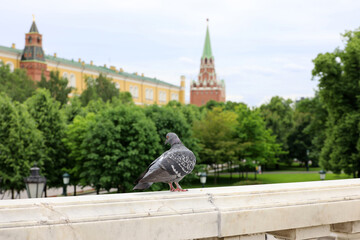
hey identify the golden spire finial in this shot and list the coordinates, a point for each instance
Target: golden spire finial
(33, 18)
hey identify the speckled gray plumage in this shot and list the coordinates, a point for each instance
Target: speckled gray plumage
(172, 166)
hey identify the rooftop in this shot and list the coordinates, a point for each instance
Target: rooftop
(100, 69)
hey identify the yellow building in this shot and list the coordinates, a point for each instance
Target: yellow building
(145, 90)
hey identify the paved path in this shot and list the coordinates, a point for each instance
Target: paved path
(275, 172)
(56, 192)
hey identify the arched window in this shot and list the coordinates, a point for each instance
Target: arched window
(149, 94)
(117, 85)
(38, 40)
(210, 60)
(72, 81)
(205, 60)
(134, 90)
(162, 96)
(174, 96)
(29, 39)
(11, 66)
(65, 75)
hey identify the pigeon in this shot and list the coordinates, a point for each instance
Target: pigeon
(172, 166)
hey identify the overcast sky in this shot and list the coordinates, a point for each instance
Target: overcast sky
(261, 48)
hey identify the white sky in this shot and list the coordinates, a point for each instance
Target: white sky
(262, 48)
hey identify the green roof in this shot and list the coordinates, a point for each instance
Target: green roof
(33, 28)
(13, 50)
(100, 69)
(207, 53)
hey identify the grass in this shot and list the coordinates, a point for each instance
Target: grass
(225, 180)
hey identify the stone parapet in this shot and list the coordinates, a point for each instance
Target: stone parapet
(311, 210)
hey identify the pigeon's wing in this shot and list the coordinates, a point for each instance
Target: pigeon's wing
(156, 172)
(179, 163)
(146, 171)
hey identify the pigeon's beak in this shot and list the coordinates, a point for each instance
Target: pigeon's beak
(167, 141)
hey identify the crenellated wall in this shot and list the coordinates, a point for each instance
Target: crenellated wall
(311, 210)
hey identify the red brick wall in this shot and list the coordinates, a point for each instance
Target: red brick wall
(35, 69)
(201, 97)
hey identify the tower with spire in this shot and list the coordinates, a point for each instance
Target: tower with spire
(33, 57)
(207, 87)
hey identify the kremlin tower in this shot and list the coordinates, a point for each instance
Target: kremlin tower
(208, 86)
(33, 58)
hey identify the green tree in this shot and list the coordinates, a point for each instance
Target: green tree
(17, 85)
(299, 141)
(50, 121)
(58, 86)
(21, 144)
(317, 128)
(278, 116)
(256, 144)
(168, 119)
(99, 88)
(216, 134)
(117, 147)
(73, 109)
(339, 89)
(212, 103)
(74, 138)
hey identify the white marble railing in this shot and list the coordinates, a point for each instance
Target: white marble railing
(311, 210)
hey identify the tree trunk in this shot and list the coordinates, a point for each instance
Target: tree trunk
(12, 193)
(246, 175)
(74, 189)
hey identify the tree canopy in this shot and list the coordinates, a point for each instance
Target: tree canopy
(57, 86)
(17, 85)
(339, 89)
(100, 88)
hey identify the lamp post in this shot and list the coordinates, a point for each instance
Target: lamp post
(0, 185)
(322, 174)
(203, 178)
(66, 180)
(35, 183)
(307, 159)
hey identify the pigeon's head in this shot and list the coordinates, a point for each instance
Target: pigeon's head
(172, 138)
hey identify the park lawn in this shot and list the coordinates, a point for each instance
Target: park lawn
(225, 180)
(298, 177)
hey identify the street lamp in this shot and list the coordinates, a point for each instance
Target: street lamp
(322, 174)
(35, 183)
(66, 180)
(0, 185)
(203, 178)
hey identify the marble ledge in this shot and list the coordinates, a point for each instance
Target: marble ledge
(225, 212)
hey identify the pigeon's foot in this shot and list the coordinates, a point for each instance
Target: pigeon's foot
(179, 189)
(172, 189)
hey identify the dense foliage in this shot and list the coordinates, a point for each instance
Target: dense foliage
(104, 140)
(339, 75)
(58, 86)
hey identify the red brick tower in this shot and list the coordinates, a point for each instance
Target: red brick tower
(33, 58)
(207, 87)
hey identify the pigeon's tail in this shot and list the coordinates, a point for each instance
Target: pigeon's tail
(142, 186)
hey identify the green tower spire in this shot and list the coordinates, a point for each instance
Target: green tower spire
(207, 53)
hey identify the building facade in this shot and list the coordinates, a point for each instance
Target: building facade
(144, 90)
(207, 87)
